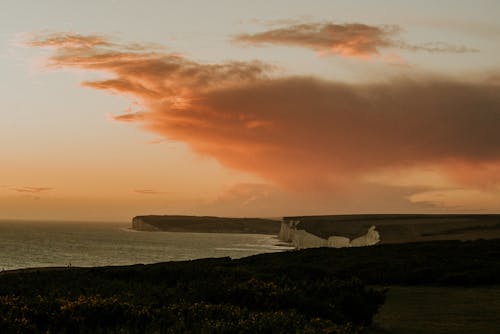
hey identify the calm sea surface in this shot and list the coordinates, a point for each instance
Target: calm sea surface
(30, 244)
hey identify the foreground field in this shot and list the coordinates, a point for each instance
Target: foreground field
(310, 291)
(440, 310)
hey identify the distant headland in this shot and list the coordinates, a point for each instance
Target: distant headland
(206, 224)
(337, 231)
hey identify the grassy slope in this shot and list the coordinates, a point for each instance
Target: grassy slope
(445, 281)
(422, 263)
(443, 310)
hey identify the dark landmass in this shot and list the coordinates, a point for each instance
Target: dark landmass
(206, 224)
(392, 228)
(404, 228)
(321, 290)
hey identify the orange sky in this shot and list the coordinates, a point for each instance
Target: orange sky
(199, 133)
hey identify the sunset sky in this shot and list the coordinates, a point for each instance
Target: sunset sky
(112, 109)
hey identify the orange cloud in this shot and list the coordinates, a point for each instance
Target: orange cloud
(463, 200)
(350, 39)
(146, 191)
(301, 132)
(31, 190)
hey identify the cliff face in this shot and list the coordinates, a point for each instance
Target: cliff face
(364, 230)
(139, 224)
(371, 237)
(292, 232)
(287, 230)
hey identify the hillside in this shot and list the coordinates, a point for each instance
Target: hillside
(402, 228)
(206, 224)
(309, 291)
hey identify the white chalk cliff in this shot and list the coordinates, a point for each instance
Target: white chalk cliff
(300, 238)
(139, 224)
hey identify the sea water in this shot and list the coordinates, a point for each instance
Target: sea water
(48, 244)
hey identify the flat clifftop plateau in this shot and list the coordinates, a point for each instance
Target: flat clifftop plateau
(206, 224)
(398, 228)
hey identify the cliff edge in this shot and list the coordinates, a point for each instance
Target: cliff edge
(364, 230)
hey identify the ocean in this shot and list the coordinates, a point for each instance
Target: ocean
(48, 244)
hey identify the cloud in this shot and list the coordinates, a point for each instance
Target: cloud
(264, 200)
(459, 199)
(66, 40)
(157, 141)
(435, 47)
(350, 39)
(146, 191)
(302, 132)
(244, 194)
(31, 190)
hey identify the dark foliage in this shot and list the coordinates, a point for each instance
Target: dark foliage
(309, 291)
(424, 263)
(203, 296)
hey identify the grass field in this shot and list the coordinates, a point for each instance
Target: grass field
(440, 310)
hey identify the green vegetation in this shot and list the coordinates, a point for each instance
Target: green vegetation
(309, 291)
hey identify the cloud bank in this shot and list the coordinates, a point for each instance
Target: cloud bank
(349, 40)
(300, 132)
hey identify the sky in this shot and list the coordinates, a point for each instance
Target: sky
(112, 109)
